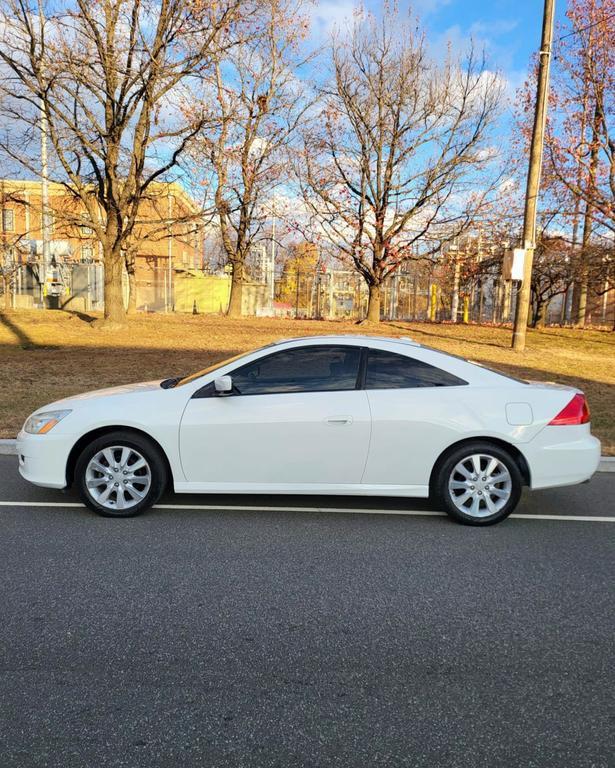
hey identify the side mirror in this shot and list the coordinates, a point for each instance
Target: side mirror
(223, 385)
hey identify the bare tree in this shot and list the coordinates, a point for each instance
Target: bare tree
(581, 140)
(552, 275)
(255, 103)
(109, 79)
(392, 161)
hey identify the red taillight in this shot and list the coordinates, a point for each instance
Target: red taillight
(576, 412)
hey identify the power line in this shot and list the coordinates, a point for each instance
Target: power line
(584, 29)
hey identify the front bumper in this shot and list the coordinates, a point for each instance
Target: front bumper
(43, 458)
(562, 455)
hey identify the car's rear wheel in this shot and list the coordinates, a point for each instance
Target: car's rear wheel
(479, 483)
(120, 474)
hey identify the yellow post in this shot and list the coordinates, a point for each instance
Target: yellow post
(466, 309)
(433, 301)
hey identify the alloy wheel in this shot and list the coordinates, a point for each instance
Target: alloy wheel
(480, 485)
(118, 477)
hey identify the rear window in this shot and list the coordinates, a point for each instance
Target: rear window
(387, 370)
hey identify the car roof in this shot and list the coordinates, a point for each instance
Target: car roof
(352, 337)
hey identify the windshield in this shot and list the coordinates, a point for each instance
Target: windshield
(215, 366)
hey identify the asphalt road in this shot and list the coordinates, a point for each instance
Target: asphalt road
(213, 638)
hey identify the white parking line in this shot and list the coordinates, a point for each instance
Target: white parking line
(350, 511)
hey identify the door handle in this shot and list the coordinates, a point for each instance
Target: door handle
(339, 420)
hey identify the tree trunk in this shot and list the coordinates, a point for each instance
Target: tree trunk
(115, 311)
(8, 305)
(505, 316)
(373, 304)
(583, 291)
(583, 284)
(541, 316)
(588, 221)
(582, 287)
(132, 287)
(455, 296)
(537, 320)
(235, 302)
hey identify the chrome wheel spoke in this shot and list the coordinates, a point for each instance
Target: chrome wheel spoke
(501, 477)
(139, 464)
(120, 499)
(460, 500)
(490, 505)
(499, 492)
(458, 485)
(97, 482)
(134, 492)
(99, 467)
(462, 470)
(126, 453)
(104, 496)
(476, 464)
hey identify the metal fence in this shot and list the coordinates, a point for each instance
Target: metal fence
(67, 286)
(336, 294)
(313, 294)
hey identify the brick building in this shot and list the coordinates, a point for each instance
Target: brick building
(169, 228)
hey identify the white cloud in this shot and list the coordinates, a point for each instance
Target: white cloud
(427, 7)
(329, 16)
(495, 39)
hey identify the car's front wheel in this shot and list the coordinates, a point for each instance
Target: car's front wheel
(120, 474)
(478, 484)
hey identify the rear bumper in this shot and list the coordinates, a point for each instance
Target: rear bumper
(43, 459)
(565, 455)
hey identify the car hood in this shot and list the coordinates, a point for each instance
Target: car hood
(124, 389)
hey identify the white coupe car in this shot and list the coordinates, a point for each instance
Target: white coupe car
(319, 415)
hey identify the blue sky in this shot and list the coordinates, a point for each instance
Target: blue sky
(508, 29)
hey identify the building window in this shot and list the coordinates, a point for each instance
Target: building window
(87, 254)
(8, 219)
(86, 230)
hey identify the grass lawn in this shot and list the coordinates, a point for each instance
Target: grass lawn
(46, 355)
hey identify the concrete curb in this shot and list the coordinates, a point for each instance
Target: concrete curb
(7, 448)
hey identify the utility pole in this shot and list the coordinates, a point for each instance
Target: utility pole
(44, 165)
(533, 176)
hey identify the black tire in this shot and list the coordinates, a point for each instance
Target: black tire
(442, 495)
(156, 465)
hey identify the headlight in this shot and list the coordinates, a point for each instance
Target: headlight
(40, 423)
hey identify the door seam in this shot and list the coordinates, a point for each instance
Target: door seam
(369, 441)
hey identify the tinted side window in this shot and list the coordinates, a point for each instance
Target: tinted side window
(306, 369)
(386, 370)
